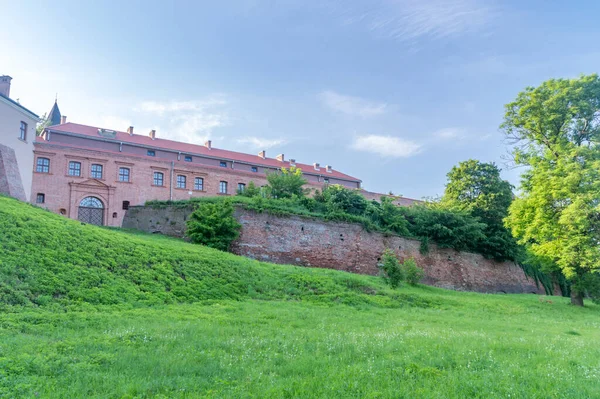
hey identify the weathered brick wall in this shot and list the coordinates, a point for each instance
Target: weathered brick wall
(10, 178)
(344, 246)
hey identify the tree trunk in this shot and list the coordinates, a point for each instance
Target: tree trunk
(576, 298)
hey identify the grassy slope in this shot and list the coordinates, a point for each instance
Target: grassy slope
(90, 340)
(46, 259)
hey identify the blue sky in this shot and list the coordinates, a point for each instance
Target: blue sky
(394, 92)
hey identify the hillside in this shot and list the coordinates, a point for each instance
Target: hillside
(46, 258)
(127, 315)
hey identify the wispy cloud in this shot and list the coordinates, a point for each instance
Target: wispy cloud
(386, 146)
(409, 20)
(164, 107)
(189, 121)
(352, 105)
(261, 143)
(450, 133)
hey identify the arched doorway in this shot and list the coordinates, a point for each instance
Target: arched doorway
(91, 210)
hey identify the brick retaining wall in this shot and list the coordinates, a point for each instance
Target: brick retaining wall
(344, 246)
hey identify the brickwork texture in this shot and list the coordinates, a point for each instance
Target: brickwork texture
(344, 246)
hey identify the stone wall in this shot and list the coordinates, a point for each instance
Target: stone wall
(10, 178)
(344, 246)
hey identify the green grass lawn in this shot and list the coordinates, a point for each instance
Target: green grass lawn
(478, 346)
(96, 313)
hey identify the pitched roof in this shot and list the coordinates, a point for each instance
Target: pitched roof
(10, 100)
(54, 115)
(192, 149)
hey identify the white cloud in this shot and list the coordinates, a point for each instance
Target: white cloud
(351, 105)
(386, 146)
(450, 133)
(188, 121)
(162, 108)
(261, 143)
(408, 20)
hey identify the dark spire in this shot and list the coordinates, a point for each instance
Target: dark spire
(54, 115)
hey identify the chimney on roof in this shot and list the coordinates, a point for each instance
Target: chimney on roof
(280, 157)
(292, 162)
(317, 166)
(262, 154)
(63, 119)
(5, 85)
(328, 168)
(152, 134)
(130, 130)
(208, 144)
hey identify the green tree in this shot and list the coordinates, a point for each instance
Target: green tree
(286, 183)
(41, 125)
(339, 199)
(213, 225)
(555, 128)
(476, 188)
(250, 191)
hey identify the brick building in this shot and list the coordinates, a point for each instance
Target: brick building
(95, 174)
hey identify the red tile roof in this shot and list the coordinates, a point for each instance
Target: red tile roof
(191, 149)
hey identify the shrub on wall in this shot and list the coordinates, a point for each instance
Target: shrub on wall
(213, 225)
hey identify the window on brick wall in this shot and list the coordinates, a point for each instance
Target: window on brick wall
(187, 158)
(151, 153)
(241, 187)
(125, 205)
(181, 181)
(159, 178)
(223, 187)
(74, 168)
(23, 131)
(199, 183)
(254, 169)
(223, 164)
(40, 198)
(124, 174)
(42, 165)
(96, 171)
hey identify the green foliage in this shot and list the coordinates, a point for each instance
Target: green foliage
(391, 270)
(413, 274)
(250, 191)
(556, 132)
(448, 229)
(476, 188)
(389, 216)
(339, 199)
(213, 225)
(287, 183)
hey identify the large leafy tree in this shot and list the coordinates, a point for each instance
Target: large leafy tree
(286, 183)
(476, 188)
(556, 130)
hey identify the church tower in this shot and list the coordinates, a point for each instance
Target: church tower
(54, 117)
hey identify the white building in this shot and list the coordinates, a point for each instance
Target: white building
(17, 134)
